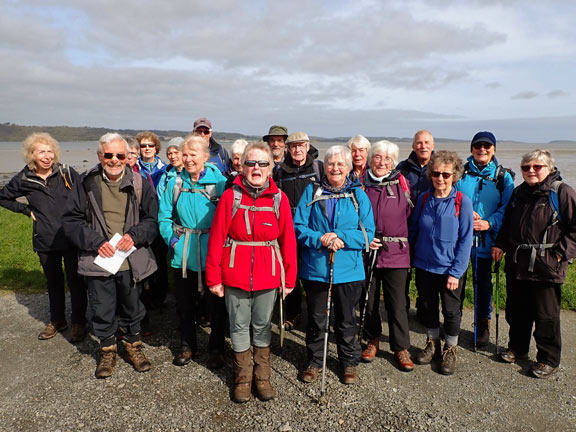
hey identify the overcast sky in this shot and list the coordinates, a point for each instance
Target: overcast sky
(330, 68)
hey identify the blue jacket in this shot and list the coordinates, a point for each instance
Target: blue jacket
(486, 200)
(416, 176)
(193, 210)
(440, 241)
(312, 222)
(156, 172)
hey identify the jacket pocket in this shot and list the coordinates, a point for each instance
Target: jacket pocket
(447, 229)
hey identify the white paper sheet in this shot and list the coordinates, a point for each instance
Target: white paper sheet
(112, 264)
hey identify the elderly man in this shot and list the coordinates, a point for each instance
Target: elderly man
(293, 175)
(276, 139)
(414, 168)
(218, 155)
(107, 201)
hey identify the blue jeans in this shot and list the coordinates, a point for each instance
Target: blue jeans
(484, 288)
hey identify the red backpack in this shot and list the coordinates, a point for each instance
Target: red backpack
(457, 204)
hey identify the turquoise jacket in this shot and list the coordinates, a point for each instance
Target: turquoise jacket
(486, 199)
(166, 177)
(193, 211)
(340, 217)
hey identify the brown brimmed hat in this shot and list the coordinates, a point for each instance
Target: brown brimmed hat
(276, 130)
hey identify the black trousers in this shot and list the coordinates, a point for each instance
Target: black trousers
(534, 304)
(186, 298)
(293, 303)
(157, 290)
(393, 282)
(345, 298)
(52, 265)
(431, 287)
(115, 294)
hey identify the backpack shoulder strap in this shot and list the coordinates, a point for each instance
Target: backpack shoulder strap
(137, 181)
(177, 189)
(63, 168)
(458, 203)
(360, 223)
(406, 189)
(236, 199)
(554, 201)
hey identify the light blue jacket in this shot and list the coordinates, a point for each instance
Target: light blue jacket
(487, 200)
(441, 242)
(193, 210)
(312, 222)
(157, 171)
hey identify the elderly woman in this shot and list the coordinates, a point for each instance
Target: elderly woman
(174, 156)
(185, 216)
(149, 161)
(359, 146)
(389, 193)
(334, 215)
(251, 254)
(46, 184)
(538, 235)
(237, 149)
(441, 239)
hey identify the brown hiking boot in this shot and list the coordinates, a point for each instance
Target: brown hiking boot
(431, 351)
(483, 332)
(52, 329)
(107, 362)
(242, 376)
(310, 374)
(264, 389)
(511, 356)
(78, 333)
(371, 350)
(136, 357)
(350, 375)
(448, 359)
(404, 361)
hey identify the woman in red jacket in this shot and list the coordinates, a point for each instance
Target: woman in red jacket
(251, 254)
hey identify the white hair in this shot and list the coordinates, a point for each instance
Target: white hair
(387, 147)
(339, 150)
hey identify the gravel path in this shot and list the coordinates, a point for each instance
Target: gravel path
(50, 386)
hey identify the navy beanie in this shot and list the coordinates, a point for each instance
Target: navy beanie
(485, 136)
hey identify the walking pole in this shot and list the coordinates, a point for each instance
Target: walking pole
(281, 325)
(370, 274)
(475, 285)
(497, 300)
(327, 330)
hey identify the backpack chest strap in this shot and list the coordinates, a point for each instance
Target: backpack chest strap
(252, 209)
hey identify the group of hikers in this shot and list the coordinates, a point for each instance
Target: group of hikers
(270, 221)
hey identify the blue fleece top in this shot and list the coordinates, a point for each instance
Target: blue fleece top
(155, 169)
(440, 241)
(312, 222)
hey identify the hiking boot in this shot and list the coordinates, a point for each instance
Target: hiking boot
(135, 356)
(310, 374)
(404, 361)
(52, 329)
(350, 375)
(431, 351)
(215, 361)
(264, 389)
(107, 362)
(510, 356)
(448, 359)
(483, 332)
(291, 323)
(183, 357)
(78, 333)
(370, 351)
(242, 376)
(541, 370)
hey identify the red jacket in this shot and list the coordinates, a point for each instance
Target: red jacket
(252, 270)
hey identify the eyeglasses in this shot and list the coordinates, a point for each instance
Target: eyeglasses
(479, 145)
(147, 145)
(536, 168)
(133, 154)
(252, 163)
(203, 131)
(119, 156)
(445, 175)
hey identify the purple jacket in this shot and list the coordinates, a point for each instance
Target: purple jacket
(391, 210)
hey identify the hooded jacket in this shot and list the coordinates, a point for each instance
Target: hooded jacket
(169, 173)
(193, 210)
(527, 218)
(415, 174)
(219, 156)
(85, 225)
(441, 241)
(486, 199)
(293, 179)
(157, 171)
(47, 199)
(391, 211)
(313, 221)
(252, 269)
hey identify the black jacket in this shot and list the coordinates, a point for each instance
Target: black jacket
(85, 226)
(47, 199)
(293, 179)
(416, 176)
(527, 218)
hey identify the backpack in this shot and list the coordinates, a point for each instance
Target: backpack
(317, 195)
(498, 178)
(236, 204)
(209, 191)
(67, 181)
(403, 184)
(317, 173)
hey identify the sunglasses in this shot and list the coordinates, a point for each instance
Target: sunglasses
(119, 156)
(252, 163)
(536, 168)
(480, 145)
(147, 145)
(203, 131)
(445, 175)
